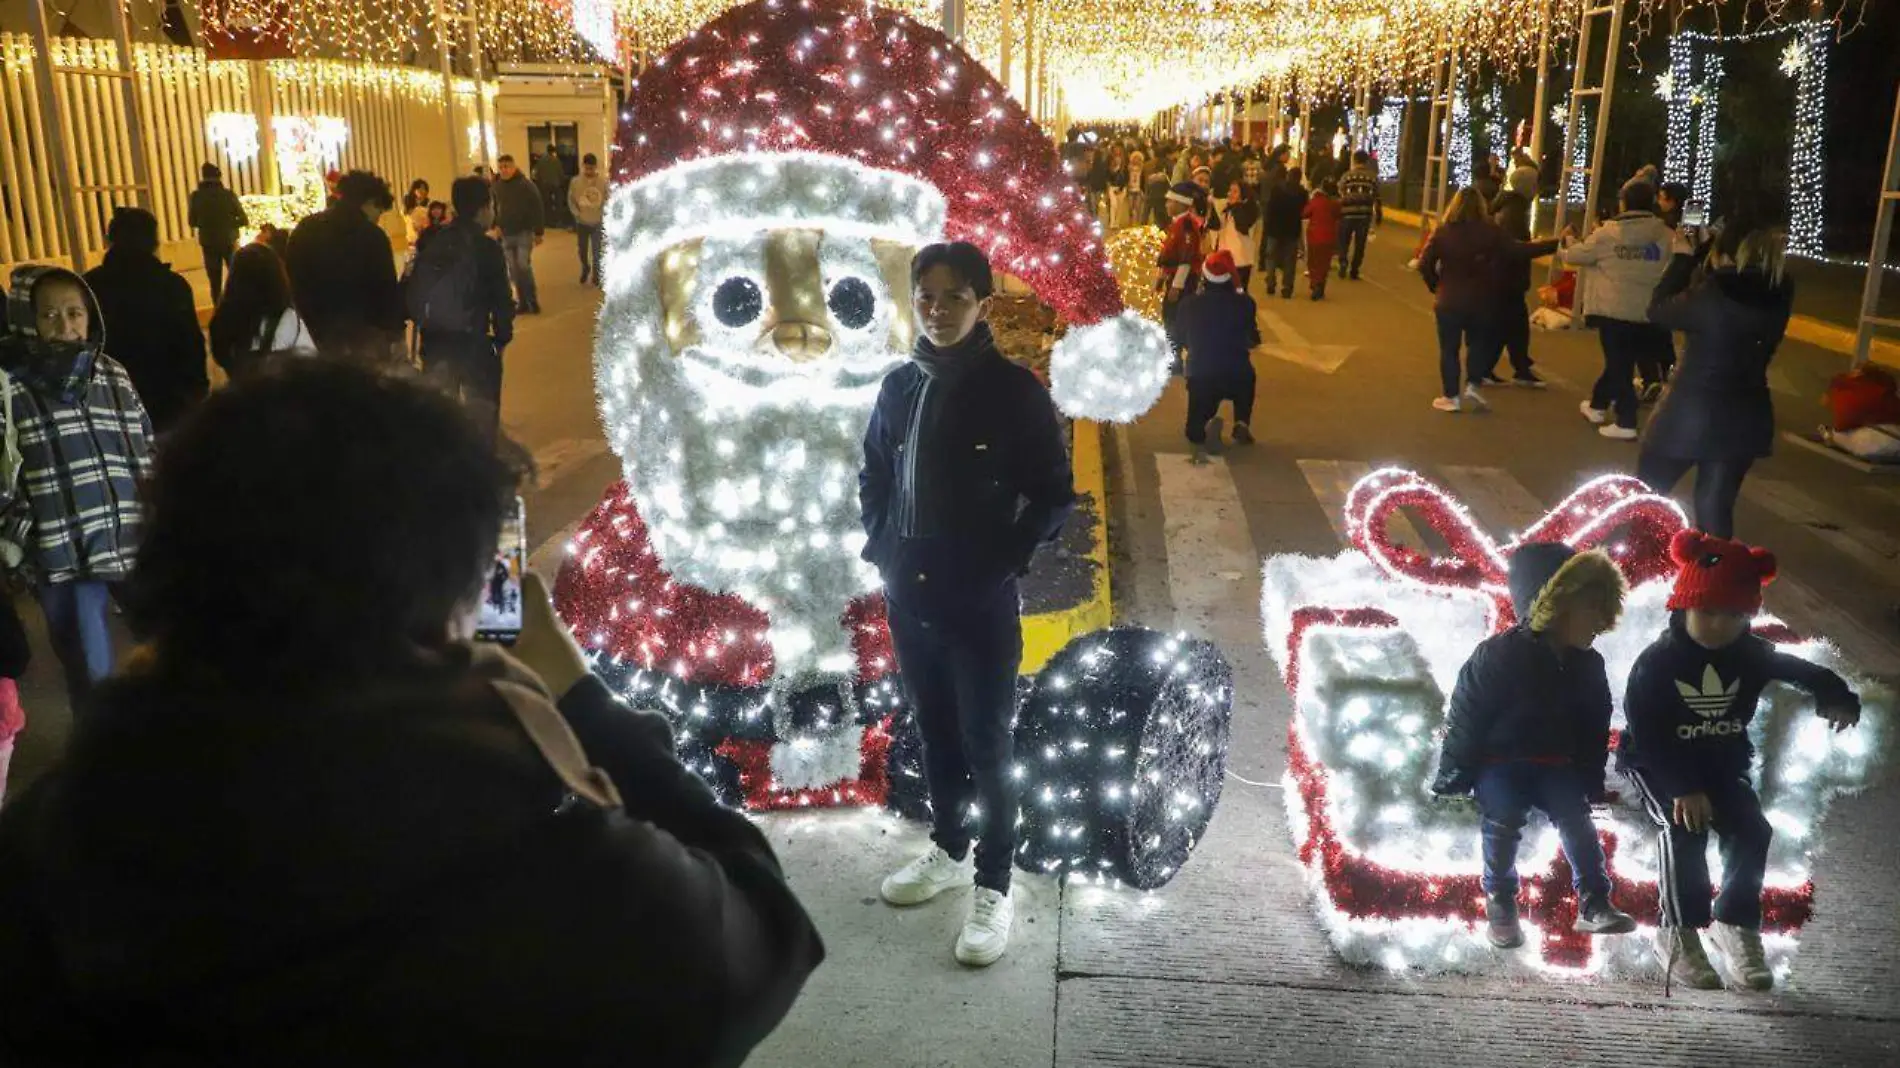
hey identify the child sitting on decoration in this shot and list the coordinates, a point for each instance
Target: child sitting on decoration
(1691, 696)
(1529, 729)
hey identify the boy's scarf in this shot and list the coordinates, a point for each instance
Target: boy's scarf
(920, 514)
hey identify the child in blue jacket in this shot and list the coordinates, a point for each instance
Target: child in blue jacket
(1691, 697)
(1529, 728)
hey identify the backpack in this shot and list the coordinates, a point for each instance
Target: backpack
(442, 286)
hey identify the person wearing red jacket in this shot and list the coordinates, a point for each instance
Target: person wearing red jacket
(1179, 262)
(1322, 235)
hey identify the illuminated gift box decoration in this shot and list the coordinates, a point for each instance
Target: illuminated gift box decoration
(1370, 642)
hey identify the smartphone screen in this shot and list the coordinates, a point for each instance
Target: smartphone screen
(501, 597)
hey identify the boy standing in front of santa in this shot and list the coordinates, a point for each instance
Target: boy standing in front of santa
(1691, 697)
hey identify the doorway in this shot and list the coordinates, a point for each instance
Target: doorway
(562, 140)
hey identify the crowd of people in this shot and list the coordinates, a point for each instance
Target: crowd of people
(1227, 210)
(100, 369)
(1646, 276)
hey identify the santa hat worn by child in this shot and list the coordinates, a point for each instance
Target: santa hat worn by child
(838, 116)
(1718, 574)
(1218, 267)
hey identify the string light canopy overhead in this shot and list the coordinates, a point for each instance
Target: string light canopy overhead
(403, 31)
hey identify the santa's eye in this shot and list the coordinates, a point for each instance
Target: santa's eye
(1711, 560)
(737, 301)
(852, 303)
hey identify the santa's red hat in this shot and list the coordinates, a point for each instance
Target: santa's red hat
(1219, 266)
(1719, 574)
(832, 115)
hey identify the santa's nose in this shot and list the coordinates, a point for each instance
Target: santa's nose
(800, 341)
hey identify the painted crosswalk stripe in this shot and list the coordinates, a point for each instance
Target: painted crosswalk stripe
(1874, 549)
(1501, 503)
(1332, 481)
(1213, 567)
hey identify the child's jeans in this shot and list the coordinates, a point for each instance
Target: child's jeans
(1683, 855)
(1506, 795)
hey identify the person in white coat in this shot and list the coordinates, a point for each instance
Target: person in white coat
(1625, 257)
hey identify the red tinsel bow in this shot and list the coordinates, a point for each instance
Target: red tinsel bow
(1588, 518)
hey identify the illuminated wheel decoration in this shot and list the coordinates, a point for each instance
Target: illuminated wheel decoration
(1370, 641)
(1123, 745)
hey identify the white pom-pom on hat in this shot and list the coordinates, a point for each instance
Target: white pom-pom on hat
(1112, 370)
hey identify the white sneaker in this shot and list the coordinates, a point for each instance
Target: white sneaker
(1619, 433)
(1741, 952)
(1595, 415)
(1476, 400)
(986, 932)
(1447, 404)
(1214, 428)
(924, 878)
(1683, 956)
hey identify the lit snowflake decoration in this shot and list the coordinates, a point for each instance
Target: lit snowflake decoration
(1666, 85)
(1700, 95)
(1794, 58)
(1560, 115)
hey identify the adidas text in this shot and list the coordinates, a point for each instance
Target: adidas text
(1701, 730)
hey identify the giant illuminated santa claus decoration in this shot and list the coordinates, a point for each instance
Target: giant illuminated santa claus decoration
(774, 174)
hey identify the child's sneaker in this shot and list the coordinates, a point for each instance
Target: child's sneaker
(1687, 963)
(1447, 404)
(1597, 916)
(1476, 399)
(1500, 923)
(1740, 948)
(1596, 415)
(1215, 428)
(1242, 435)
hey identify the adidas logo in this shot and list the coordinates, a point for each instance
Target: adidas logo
(1715, 729)
(1713, 698)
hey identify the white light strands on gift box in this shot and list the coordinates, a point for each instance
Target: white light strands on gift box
(1371, 640)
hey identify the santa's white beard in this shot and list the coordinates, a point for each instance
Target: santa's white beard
(747, 475)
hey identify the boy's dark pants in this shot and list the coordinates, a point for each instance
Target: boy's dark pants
(1204, 397)
(1506, 795)
(959, 671)
(1743, 834)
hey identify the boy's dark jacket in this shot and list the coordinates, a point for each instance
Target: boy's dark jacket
(1689, 707)
(998, 470)
(389, 875)
(1519, 698)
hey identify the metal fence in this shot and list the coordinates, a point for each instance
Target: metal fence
(395, 119)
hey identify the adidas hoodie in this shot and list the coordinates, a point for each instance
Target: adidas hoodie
(1689, 707)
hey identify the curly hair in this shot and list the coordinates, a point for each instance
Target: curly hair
(318, 524)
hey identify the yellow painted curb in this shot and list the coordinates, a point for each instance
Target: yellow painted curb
(1047, 633)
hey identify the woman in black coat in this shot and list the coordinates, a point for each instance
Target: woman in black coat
(1718, 416)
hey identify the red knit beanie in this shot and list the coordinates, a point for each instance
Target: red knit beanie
(1719, 574)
